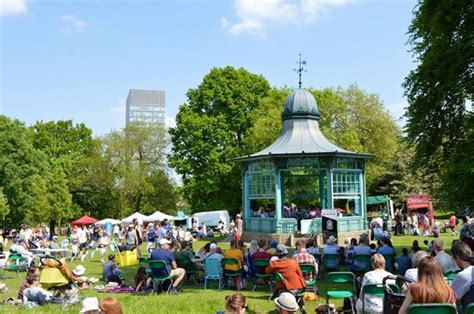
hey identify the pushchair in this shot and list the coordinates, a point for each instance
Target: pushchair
(56, 276)
(393, 300)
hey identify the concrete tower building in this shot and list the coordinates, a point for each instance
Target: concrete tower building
(146, 106)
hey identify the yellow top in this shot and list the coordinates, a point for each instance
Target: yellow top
(237, 254)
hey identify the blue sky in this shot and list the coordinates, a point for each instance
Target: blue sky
(78, 59)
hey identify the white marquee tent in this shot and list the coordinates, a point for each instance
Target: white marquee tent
(107, 220)
(159, 216)
(141, 218)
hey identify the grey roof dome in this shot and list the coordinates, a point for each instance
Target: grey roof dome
(300, 104)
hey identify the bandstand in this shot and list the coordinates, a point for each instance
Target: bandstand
(302, 172)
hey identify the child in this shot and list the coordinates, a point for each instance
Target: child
(142, 281)
(111, 272)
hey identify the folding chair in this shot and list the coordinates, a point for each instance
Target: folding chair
(189, 267)
(364, 263)
(212, 271)
(470, 309)
(259, 264)
(231, 273)
(330, 262)
(376, 290)
(15, 263)
(339, 281)
(158, 279)
(432, 308)
(310, 269)
(389, 261)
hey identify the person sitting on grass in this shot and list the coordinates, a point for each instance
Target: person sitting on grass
(111, 272)
(110, 306)
(235, 304)
(32, 271)
(373, 304)
(163, 254)
(142, 280)
(34, 293)
(431, 286)
(286, 304)
(234, 252)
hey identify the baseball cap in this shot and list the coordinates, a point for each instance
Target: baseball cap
(213, 246)
(281, 250)
(164, 241)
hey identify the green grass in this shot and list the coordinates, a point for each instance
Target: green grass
(194, 299)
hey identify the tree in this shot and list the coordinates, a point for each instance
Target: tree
(39, 208)
(212, 128)
(437, 90)
(59, 198)
(4, 208)
(19, 161)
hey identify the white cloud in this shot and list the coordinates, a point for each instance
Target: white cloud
(13, 7)
(170, 122)
(254, 15)
(72, 23)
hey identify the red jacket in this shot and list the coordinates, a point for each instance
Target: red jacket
(291, 272)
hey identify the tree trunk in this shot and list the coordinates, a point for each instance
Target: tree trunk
(136, 206)
(52, 226)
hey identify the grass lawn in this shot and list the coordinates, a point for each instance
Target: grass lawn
(193, 299)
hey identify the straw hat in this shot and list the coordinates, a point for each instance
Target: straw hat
(287, 301)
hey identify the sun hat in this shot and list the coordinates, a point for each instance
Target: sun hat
(90, 304)
(281, 250)
(287, 301)
(164, 241)
(331, 240)
(79, 270)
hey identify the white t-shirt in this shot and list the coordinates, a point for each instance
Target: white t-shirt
(374, 304)
(463, 282)
(81, 236)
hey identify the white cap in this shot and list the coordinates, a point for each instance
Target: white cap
(331, 240)
(164, 241)
(213, 246)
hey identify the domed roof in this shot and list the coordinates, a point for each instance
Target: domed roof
(300, 104)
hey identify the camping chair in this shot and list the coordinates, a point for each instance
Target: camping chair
(432, 308)
(159, 279)
(310, 269)
(259, 264)
(338, 281)
(331, 262)
(15, 262)
(230, 273)
(376, 290)
(469, 309)
(212, 271)
(145, 262)
(190, 268)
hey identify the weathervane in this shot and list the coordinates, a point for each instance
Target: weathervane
(300, 69)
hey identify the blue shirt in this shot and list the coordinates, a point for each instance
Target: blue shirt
(386, 250)
(162, 255)
(109, 270)
(404, 263)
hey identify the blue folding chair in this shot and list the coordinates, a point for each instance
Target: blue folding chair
(212, 271)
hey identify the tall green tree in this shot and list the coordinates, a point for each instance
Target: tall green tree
(59, 198)
(4, 208)
(19, 161)
(441, 36)
(39, 208)
(212, 128)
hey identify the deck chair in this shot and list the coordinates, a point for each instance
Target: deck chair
(158, 279)
(212, 271)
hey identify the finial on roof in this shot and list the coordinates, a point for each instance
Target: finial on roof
(300, 69)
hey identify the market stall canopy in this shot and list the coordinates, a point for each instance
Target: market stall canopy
(138, 216)
(416, 201)
(180, 216)
(84, 220)
(108, 220)
(158, 216)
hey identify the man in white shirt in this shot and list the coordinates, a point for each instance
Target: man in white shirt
(82, 236)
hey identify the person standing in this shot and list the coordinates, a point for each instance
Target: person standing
(139, 234)
(239, 223)
(82, 235)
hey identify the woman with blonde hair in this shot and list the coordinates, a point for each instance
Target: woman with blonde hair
(431, 286)
(110, 306)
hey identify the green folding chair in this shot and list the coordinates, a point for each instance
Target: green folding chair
(190, 268)
(310, 269)
(330, 261)
(340, 285)
(376, 290)
(389, 261)
(159, 279)
(226, 273)
(450, 275)
(470, 309)
(144, 261)
(432, 308)
(15, 263)
(260, 264)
